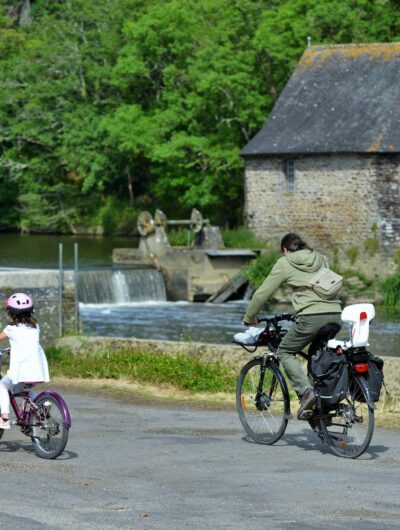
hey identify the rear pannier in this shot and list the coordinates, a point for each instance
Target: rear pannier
(331, 376)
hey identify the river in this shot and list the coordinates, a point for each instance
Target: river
(192, 322)
(157, 319)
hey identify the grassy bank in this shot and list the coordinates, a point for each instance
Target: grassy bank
(189, 374)
(145, 375)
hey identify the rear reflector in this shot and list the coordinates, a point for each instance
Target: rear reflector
(363, 315)
(361, 367)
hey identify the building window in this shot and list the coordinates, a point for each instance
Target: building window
(290, 174)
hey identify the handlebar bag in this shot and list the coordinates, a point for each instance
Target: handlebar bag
(331, 376)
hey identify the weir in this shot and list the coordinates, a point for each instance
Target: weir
(121, 286)
(112, 286)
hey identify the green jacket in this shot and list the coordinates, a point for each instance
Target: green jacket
(294, 269)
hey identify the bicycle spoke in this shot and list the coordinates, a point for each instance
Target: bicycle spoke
(349, 432)
(261, 407)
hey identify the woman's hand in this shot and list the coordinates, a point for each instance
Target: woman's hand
(253, 323)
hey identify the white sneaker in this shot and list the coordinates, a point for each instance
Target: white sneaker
(5, 424)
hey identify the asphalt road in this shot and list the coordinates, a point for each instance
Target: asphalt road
(145, 467)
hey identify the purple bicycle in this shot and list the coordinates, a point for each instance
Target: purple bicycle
(44, 418)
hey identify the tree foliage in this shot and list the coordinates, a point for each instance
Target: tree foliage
(109, 107)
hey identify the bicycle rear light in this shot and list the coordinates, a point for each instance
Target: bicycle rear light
(363, 315)
(361, 368)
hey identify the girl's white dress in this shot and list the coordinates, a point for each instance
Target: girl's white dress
(28, 361)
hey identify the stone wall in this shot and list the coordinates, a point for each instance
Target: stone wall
(337, 202)
(43, 287)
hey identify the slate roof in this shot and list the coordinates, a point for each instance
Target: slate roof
(340, 98)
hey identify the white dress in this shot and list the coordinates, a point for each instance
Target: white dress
(28, 361)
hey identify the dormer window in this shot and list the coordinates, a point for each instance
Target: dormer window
(290, 174)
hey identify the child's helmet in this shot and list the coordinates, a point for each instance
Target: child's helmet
(20, 303)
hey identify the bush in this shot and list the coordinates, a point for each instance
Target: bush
(241, 238)
(257, 270)
(390, 288)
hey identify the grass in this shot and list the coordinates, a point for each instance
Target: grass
(182, 372)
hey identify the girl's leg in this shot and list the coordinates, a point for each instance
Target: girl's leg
(5, 384)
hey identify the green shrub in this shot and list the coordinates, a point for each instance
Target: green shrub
(352, 254)
(180, 237)
(257, 270)
(390, 288)
(241, 237)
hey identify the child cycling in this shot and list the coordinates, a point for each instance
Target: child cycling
(28, 361)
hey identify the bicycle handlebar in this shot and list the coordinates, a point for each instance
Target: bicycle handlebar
(278, 318)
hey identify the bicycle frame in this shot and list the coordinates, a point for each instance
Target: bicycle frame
(23, 415)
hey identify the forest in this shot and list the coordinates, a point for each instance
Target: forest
(111, 107)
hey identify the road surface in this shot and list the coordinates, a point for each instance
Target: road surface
(172, 467)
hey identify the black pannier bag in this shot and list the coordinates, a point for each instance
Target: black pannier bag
(331, 376)
(374, 377)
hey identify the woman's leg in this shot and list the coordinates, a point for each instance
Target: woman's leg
(303, 331)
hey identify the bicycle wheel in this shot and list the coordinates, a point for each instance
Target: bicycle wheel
(49, 430)
(349, 428)
(262, 402)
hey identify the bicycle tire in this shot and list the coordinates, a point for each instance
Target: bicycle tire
(264, 412)
(49, 428)
(348, 429)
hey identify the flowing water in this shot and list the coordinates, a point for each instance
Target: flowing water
(121, 286)
(194, 322)
(132, 303)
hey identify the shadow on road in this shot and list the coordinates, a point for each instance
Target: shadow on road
(14, 447)
(307, 440)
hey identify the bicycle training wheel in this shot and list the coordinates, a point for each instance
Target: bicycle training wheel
(262, 402)
(349, 428)
(49, 431)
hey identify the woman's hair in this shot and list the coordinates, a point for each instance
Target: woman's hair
(23, 318)
(293, 242)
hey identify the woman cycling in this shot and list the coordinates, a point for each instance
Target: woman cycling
(295, 268)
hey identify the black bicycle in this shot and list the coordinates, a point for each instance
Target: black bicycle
(263, 401)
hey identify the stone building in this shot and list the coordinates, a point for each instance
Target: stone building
(327, 161)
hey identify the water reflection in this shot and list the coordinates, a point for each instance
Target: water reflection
(201, 323)
(41, 251)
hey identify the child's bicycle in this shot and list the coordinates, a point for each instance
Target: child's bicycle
(262, 396)
(45, 418)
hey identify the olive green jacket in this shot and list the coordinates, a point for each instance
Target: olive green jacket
(294, 269)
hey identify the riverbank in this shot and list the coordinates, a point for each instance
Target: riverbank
(231, 356)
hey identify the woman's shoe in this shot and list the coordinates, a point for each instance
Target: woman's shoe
(307, 405)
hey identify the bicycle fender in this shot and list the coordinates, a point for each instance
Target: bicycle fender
(363, 383)
(61, 402)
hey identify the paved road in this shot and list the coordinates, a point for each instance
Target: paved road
(145, 467)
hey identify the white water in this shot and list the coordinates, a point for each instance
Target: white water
(121, 286)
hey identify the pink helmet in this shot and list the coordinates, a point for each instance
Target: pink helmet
(20, 303)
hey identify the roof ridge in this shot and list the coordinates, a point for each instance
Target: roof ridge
(354, 45)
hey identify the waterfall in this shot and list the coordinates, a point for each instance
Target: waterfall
(121, 286)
